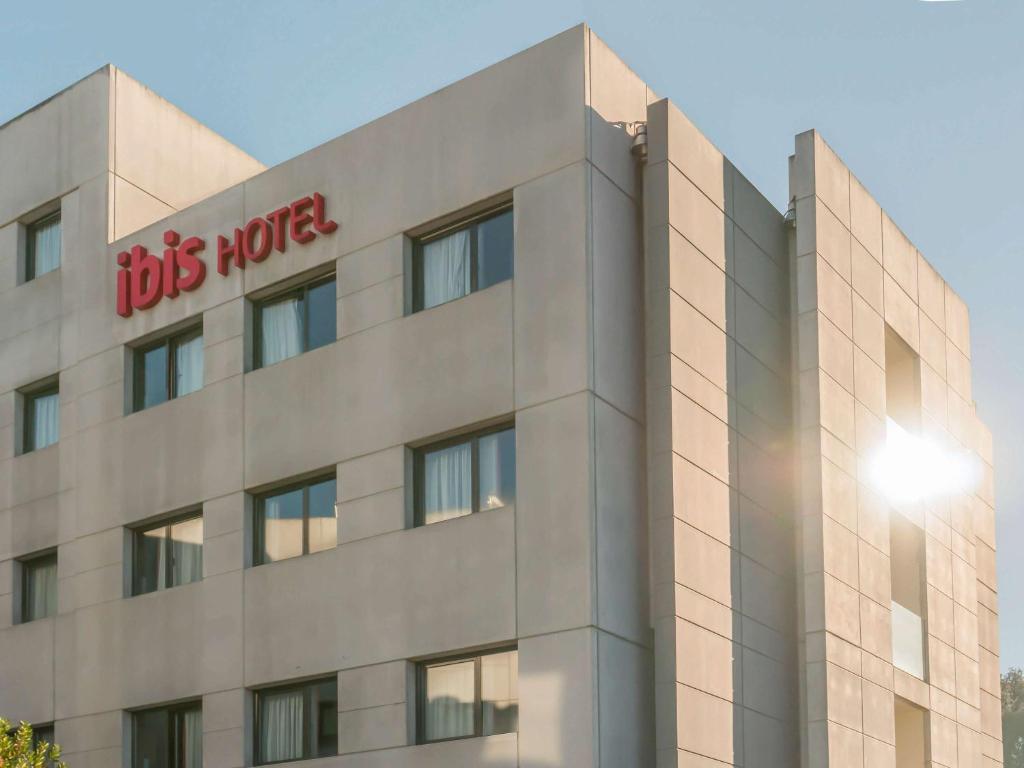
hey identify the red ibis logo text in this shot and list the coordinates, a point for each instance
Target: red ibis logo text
(145, 278)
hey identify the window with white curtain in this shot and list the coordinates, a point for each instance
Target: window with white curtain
(296, 520)
(168, 737)
(296, 321)
(466, 474)
(167, 554)
(39, 587)
(167, 368)
(468, 696)
(43, 246)
(41, 417)
(296, 721)
(462, 258)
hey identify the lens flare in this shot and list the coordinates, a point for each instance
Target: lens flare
(911, 468)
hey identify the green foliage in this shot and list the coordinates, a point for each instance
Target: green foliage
(17, 749)
(1011, 685)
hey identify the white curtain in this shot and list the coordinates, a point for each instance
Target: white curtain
(497, 469)
(281, 331)
(282, 526)
(281, 726)
(448, 483)
(451, 692)
(193, 741)
(499, 692)
(446, 269)
(154, 559)
(187, 551)
(42, 590)
(45, 420)
(46, 246)
(188, 366)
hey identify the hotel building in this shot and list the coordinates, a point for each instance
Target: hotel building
(514, 428)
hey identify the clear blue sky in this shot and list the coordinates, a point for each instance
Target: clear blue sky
(923, 100)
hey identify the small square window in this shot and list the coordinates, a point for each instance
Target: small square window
(42, 247)
(463, 258)
(468, 696)
(466, 474)
(169, 368)
(168, 737)
(296, 321)
(40, 417)
(296, 722)
(42, 734)
(39, 587)
(296, 520)
(168, 554)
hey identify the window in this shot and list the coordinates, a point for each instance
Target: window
(167, 554)
(295, 321)
(296, 521)
(41, 417)
(467, 257)
(902, 382)
(469, 696)
(297, 722)
(39, 587)
(168, 368)
(465, 474)
(908, 596)
(42, 251)
(42, 734)
(911, 734)
(168, 737)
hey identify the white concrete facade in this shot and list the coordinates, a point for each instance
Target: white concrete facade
(692, 381)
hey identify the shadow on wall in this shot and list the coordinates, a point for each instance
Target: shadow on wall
(763, 451)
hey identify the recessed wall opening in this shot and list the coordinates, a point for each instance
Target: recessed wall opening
(908, 596)
(911, 734)
(902, 382)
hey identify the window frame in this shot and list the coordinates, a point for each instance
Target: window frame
(306, 686)
(302, 291)
(419, 476)
(478, 710)
(471, 223)
(171, 341)
(25, 563)
(28, 413)
(165, 523)
(30, 244)
(259, 517)
(173, 712)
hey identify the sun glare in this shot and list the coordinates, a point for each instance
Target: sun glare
(911, 468)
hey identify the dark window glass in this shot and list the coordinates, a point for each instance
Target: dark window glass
(39, 587)
(297, 321)
(43, 246)
(323, 306)
(169, 368)
(463, 258)
(297, 722)
(168, 554)
(296, 521)
(168, 737)
(42, 734)
(155, 389)
(466, 474)
(469, 696)
(495, 248)
(41, 418)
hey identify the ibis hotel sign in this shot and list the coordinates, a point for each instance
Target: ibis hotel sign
(145, 278)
